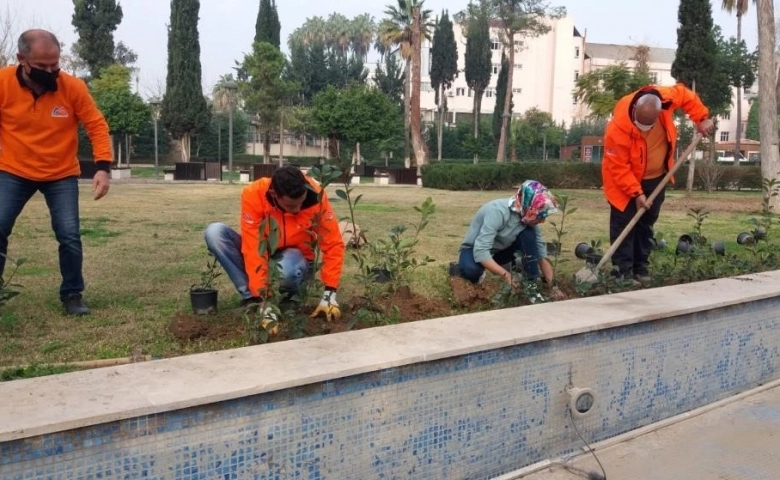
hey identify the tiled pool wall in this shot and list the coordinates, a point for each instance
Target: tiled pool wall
(475, 416)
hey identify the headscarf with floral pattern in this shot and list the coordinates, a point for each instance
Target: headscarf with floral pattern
(533, 202)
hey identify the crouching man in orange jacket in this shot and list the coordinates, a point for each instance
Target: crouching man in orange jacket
(301, 210)
(639, 148)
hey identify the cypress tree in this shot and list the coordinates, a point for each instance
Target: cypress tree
(95, 22)
(184, 108)
(268, 28)
(478, 60)
(501, 93)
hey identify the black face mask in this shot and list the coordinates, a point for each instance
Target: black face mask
(44, 79)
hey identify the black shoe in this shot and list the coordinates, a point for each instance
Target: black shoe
(74, 306)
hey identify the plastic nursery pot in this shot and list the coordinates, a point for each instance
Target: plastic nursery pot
(745, 238)
(759, 233)
(553, 248)
(381, 275)
(582, 250)
(660, 244)
(204, 302)
(684, 244)
(719, 248)
(593, 258)
(454, 269)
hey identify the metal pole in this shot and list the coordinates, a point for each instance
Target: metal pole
(544, 146)
(230, 143)
(156, 153)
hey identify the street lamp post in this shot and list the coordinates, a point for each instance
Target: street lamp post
(155, 102)
(231, 87)
(544, 141)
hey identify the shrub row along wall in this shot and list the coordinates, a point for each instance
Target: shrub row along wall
(437, 399)
(567, 175)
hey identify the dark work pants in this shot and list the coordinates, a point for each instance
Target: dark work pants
(632, 256)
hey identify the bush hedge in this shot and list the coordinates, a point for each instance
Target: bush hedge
(567, 175)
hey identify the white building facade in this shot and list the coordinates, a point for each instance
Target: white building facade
(545, 71)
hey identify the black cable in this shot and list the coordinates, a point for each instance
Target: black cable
(590, 475)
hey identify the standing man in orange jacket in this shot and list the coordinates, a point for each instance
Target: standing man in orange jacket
(301, 210)
(639, 148)
(40, 110)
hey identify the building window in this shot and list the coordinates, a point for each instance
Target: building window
(576, 75)
(576, 52)
(460, 91)
(518, 66)
(573, 100)
(496, 68)
(517, 90)
(724, 136)
(654, 77)
(426, 87)
(495, 44)
(489, 93)
(471, 92)
(726, 116)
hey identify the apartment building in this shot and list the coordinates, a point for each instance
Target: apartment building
(545, 71)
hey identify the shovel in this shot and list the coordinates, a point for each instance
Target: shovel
(589, 274)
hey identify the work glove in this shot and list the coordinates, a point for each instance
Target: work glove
(328, 306)
(253, 306)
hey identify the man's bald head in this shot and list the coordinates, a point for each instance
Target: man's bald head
(647, 109)
(37, 38)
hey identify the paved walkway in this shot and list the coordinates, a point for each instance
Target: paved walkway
(737, 441)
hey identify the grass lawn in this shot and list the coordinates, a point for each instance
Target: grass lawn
(144, 247)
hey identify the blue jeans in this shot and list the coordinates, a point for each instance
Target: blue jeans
(62, 198)
(525, 243)
(225, 244)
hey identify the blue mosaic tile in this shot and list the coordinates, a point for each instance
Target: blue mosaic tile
(475, 416)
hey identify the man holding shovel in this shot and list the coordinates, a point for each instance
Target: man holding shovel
(639, 146)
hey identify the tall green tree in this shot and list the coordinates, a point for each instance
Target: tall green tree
(501, 93)
(125, 112)
(767, 87)
(738, 66)
(478, 57)
(95, 22)
(267, 27)
(265, 91)
(752, 132)
(519, 19)
(390, 79)
(444, 66)
(601, 89)
(354, 115)
(184, 108)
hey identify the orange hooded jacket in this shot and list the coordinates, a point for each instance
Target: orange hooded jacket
(294, 230)
(625, 150)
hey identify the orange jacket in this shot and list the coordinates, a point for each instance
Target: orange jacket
(294, 231)
(625, 151)
(39, 137)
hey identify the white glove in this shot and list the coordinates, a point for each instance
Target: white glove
(269, 317)
(328, 305)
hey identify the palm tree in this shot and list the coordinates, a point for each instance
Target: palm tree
(363, 29)
(767, 81)
(396, 30)
(739, 7)
(338, 32)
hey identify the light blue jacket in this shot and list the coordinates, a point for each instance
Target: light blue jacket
(494, 228)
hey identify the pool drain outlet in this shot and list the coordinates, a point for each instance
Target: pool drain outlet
(581, 401)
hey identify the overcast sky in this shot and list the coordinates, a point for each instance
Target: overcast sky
(227, 26)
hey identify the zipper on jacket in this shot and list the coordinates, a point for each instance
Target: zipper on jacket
(284, 230)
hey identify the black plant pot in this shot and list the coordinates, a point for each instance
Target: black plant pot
(381, 275)
(719, 248)
(759, 233)
(659, 244)
(454, 269)
(593, 258)
(204, 302)
(745, 238)
(684, 244)
(582, 250)
(553, 249)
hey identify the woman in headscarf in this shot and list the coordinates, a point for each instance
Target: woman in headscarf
(505, 229)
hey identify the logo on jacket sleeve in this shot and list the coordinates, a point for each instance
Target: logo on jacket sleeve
(59, 112)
